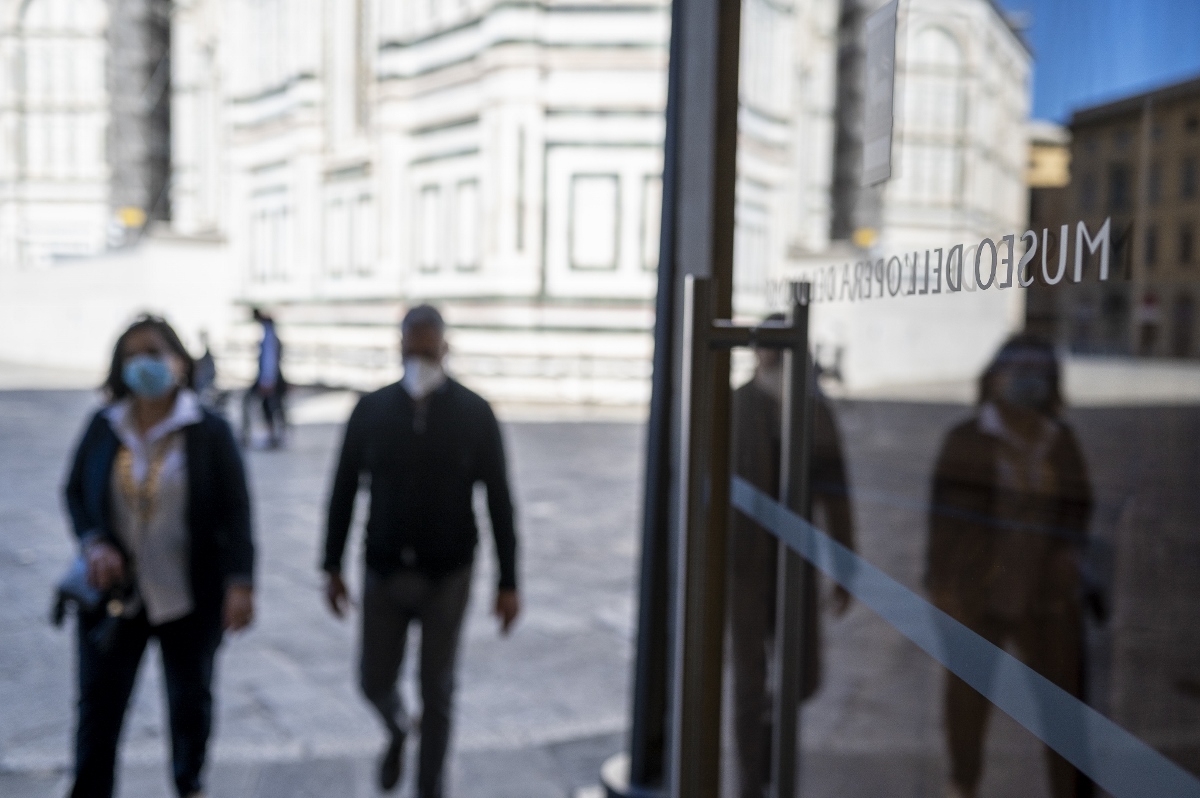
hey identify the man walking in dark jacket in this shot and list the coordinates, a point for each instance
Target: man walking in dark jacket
(424, 442)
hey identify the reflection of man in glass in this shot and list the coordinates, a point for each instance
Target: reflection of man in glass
(1009, 518)
(757, 418)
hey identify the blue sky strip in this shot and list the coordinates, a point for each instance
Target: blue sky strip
(1088, 52)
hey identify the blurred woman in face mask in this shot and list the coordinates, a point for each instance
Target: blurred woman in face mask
(157, 497)
(1009, 516)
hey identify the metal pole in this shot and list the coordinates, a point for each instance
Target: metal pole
(703, 512)
(697, 239)
(700, 585)
(651, 679)
(793, 576)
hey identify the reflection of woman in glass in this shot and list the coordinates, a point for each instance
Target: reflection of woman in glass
(1009, 519)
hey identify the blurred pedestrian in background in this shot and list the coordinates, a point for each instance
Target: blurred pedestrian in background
(270, 388)
(753, 558)
(1008, 524)
(205, 380)
(424, 443)
(158, 499)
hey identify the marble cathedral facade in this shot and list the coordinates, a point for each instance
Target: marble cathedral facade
(502, 159)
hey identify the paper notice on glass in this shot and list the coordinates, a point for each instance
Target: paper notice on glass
(881, 74)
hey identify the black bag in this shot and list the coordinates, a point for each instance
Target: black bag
(109, 607)
(74, 590)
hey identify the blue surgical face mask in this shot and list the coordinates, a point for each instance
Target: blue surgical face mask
(422, 376)
(147, 376)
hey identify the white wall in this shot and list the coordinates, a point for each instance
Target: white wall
(69, 314)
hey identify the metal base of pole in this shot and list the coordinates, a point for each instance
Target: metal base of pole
(614, 775)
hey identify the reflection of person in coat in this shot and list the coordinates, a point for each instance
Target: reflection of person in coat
(1008, 522)
(757, 417)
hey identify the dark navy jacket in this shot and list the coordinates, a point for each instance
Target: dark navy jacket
(421, 483)
(222, 548)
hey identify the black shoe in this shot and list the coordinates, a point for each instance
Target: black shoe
(391, 767)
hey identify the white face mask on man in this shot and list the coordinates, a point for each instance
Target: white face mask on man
(422, 376)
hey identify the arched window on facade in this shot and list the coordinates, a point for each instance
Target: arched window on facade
(1183, 325)
(61, 79)
(933, 115)
(766, 56)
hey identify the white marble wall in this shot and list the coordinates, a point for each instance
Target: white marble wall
(493, 158)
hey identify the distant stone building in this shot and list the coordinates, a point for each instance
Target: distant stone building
(958, 175)
(1136, 161)
(348, 158)
(500, 160)
(54, 114)
(1049, 180)
(84, 125)
(504, 162)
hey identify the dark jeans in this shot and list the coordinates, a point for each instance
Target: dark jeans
(106, 679)
(273, 414)
(1050, 643)
(390, 604)
(751, 640)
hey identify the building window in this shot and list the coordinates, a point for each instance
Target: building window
(1188, 178)
(363, 244)
(1154, 184)
(751, 249)
(1087, 194)
(1183, 318)
(270, 236)
(520, 231)
(258, 260)
(1118, 188)
(273, 42)
(933, 116)
(1150, 244)
(651, 220)
(594, 222)
(362, 78)
(1186, 245)
(337, 238)
(350, 238)
(1192, 124)
(1121, 140)
(466, 221)
(765, 56)
(429, 229)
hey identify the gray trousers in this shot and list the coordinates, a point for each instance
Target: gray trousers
(390, 604)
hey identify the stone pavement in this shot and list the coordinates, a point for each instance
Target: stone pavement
(537, 712)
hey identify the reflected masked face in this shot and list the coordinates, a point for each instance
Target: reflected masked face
(1025, 386)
